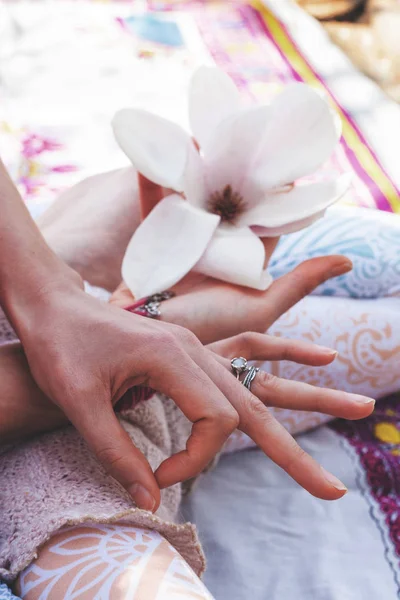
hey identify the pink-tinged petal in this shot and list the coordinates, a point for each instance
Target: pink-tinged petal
(302, 134)
(166, 246)
(157, 147)
(235, 255)
(271, 232)
(194, 182)
(212, 98)
(290, 211)
(229, 156)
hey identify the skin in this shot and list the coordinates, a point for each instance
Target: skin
(96, 352)
(26, 410)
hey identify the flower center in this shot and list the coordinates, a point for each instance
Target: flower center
(227, 204)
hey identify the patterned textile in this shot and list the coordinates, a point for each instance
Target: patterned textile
(376, 441)
(370, 239)
(262, 47)
(6, 593)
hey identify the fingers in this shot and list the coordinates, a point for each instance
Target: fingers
(280, 446)
(184, 377)
(149, 195)
(259, 346)
(258, 423)
(296, 395)
(122, 296)
(286, 291)
(204, 443)
(118, 455)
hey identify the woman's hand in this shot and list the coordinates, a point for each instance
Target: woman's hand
(214, 310)
(84, 355)
(270, 391)
(26, 410)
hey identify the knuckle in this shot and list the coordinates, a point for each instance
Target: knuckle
(174, 339)
(254, 412)
(110, 458)
(165, 341)
(268, 381)
(226, 419)
(186, 337)
(246, 341)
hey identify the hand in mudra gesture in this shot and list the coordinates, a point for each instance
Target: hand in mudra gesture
(215, 310)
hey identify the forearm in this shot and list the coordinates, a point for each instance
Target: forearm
(24, 408)
(27, 265)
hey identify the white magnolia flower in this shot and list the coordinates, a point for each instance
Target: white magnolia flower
(239, 187)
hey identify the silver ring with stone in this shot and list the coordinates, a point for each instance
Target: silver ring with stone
(250, 376)
(151, 307)
(239, 366)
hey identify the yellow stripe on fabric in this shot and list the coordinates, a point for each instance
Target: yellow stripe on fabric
(299, 64)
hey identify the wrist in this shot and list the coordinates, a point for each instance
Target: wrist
(24, 408)
(28, 267)
(26, 301)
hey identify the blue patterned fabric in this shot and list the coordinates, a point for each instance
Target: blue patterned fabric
(370, 238)
(6, 593)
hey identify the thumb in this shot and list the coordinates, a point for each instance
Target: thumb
(119, 456)
(122, 296)
(286, 291)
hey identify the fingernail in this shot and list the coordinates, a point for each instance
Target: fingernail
(332, 480)
(328, 350)
(363, 399)
(142, 497)
(345, 267)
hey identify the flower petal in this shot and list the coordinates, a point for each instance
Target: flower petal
(166, 246)
(233, 148)
(286, 212)
(235, 255)
(271, 232)
(212, 97)
(301, 136)
(194, 182)
(157, 147)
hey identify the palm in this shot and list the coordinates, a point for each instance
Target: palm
(215, 310)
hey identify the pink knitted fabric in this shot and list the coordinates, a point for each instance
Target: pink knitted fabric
(53, 480)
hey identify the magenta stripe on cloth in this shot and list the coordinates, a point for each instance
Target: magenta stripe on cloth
(241, 43)
(236, 37)
(381, 201)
